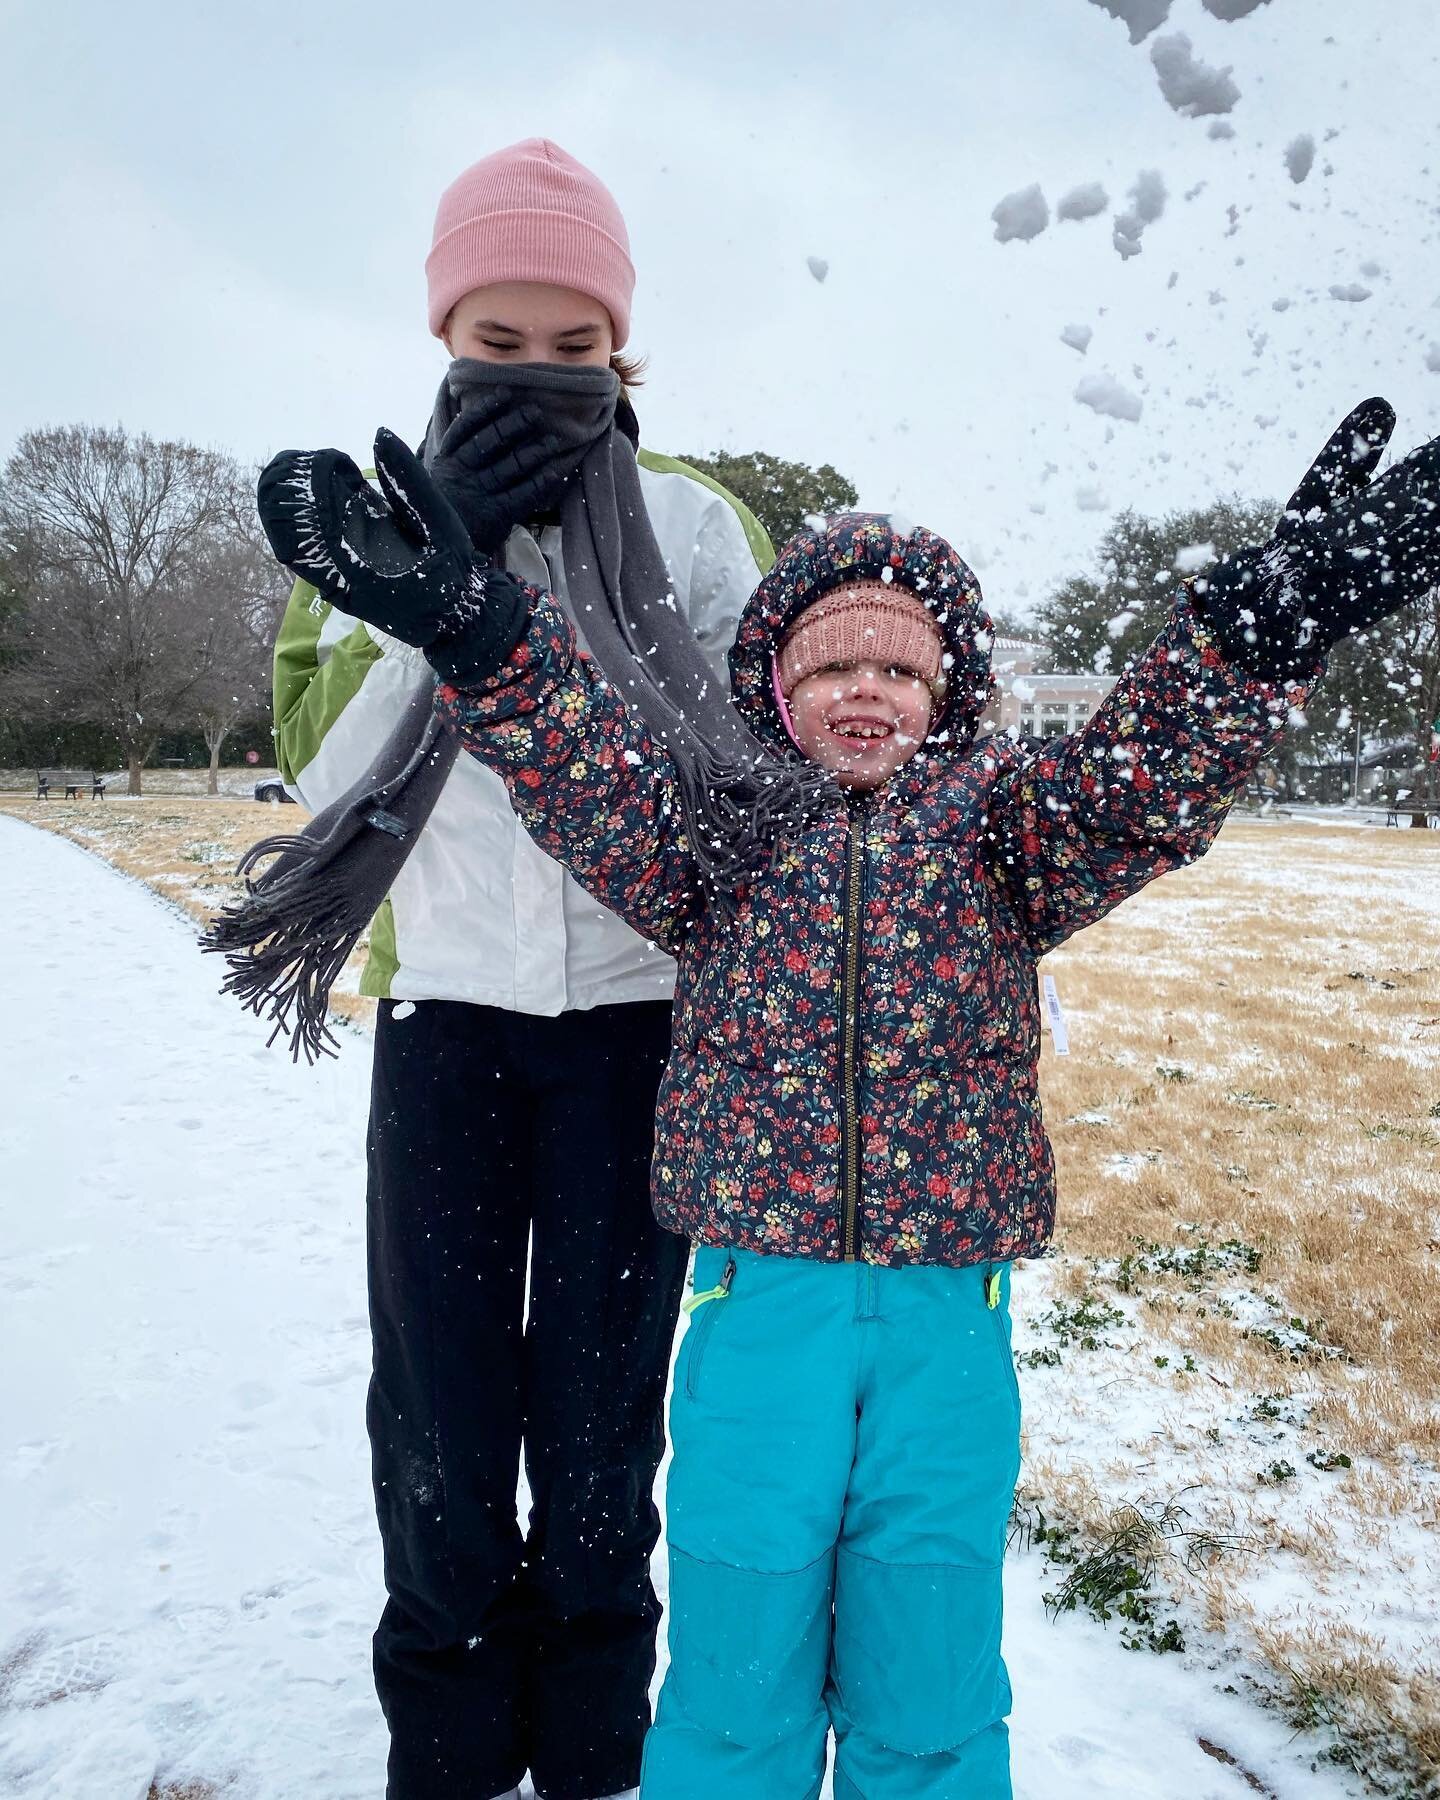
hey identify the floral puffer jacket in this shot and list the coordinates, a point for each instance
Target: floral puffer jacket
(854, 1056)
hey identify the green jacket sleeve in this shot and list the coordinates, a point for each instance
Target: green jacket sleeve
(319, 668)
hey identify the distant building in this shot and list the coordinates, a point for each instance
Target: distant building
(1384, 770)
(1037, 702)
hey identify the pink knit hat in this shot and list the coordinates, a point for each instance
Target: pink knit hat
(865, 621)
(530, 213)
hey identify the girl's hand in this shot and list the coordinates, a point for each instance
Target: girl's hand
(499, 464)
(400, 559)
(1346, 552)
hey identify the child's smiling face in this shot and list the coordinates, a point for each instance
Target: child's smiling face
(861, 721)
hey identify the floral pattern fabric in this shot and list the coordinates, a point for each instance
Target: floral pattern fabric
(973, 861)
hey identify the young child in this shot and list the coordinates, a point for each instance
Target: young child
(848, 1127)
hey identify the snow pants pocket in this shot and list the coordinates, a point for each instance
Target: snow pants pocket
(705, 1307)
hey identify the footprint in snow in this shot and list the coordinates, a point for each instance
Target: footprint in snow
(251, 1395)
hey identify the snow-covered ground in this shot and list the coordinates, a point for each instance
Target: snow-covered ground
(189, 1569)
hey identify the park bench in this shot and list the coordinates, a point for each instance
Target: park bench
(1417, 815)
(70, 782)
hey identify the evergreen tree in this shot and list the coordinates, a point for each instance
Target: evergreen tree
(1385, 682)
(779, 493)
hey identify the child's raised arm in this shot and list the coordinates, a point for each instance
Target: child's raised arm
(586, 779)
(1141, 790)
(1146, 785)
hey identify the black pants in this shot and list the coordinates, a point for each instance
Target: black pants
(500, 1652)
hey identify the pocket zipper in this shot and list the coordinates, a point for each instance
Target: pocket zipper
(994, 1293)
(716, 1293)
(706, 1326)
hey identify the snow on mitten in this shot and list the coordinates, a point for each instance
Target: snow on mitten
(400, 559)
(1346, 552)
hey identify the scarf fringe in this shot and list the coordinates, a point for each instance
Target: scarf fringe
(736, 813)
(285, 940)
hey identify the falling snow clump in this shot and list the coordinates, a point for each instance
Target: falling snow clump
(1023, 214)
(817, 266)
(1082, 202)
(1190, 86)
(1148, 196)
(1300, 157)
(1190, 559)
(1349, 290)
(1077, 337)
(1231, 10)
(1140, 17)
(1104, 395)
(1147, 202)
(1432, 359)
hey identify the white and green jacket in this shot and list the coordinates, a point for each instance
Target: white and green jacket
(478, 913)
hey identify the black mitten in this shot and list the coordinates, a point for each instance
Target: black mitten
(400, 559)
(1346, 552)
(498, 465)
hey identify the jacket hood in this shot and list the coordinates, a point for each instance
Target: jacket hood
(866, 547)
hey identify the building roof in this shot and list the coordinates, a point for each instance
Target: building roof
(1069, 684)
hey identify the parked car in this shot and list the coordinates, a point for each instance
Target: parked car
(272, 791)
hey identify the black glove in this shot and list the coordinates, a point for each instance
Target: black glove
(498, 465)
(1346, 552)
(400, 559)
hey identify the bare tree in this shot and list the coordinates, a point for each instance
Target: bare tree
(245, 594)
(108, 540)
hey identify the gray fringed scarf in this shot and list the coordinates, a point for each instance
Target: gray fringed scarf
(288, 936)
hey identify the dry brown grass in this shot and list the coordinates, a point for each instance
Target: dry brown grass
(1257, 1040)
(1348, 1681)
(184, 847)
(1281, 1054)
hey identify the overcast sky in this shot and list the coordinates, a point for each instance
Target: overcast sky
(214, 219)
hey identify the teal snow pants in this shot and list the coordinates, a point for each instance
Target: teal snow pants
(846, 1444)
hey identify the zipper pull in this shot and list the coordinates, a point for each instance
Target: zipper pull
(716, 1293)
(992, 1288)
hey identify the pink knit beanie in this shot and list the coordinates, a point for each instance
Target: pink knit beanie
(865, 621)
(530, 213)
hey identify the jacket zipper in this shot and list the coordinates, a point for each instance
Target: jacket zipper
(850, 1044)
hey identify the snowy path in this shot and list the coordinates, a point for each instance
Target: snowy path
(188, 1565)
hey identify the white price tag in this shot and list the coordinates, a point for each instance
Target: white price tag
(1055, 1017)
